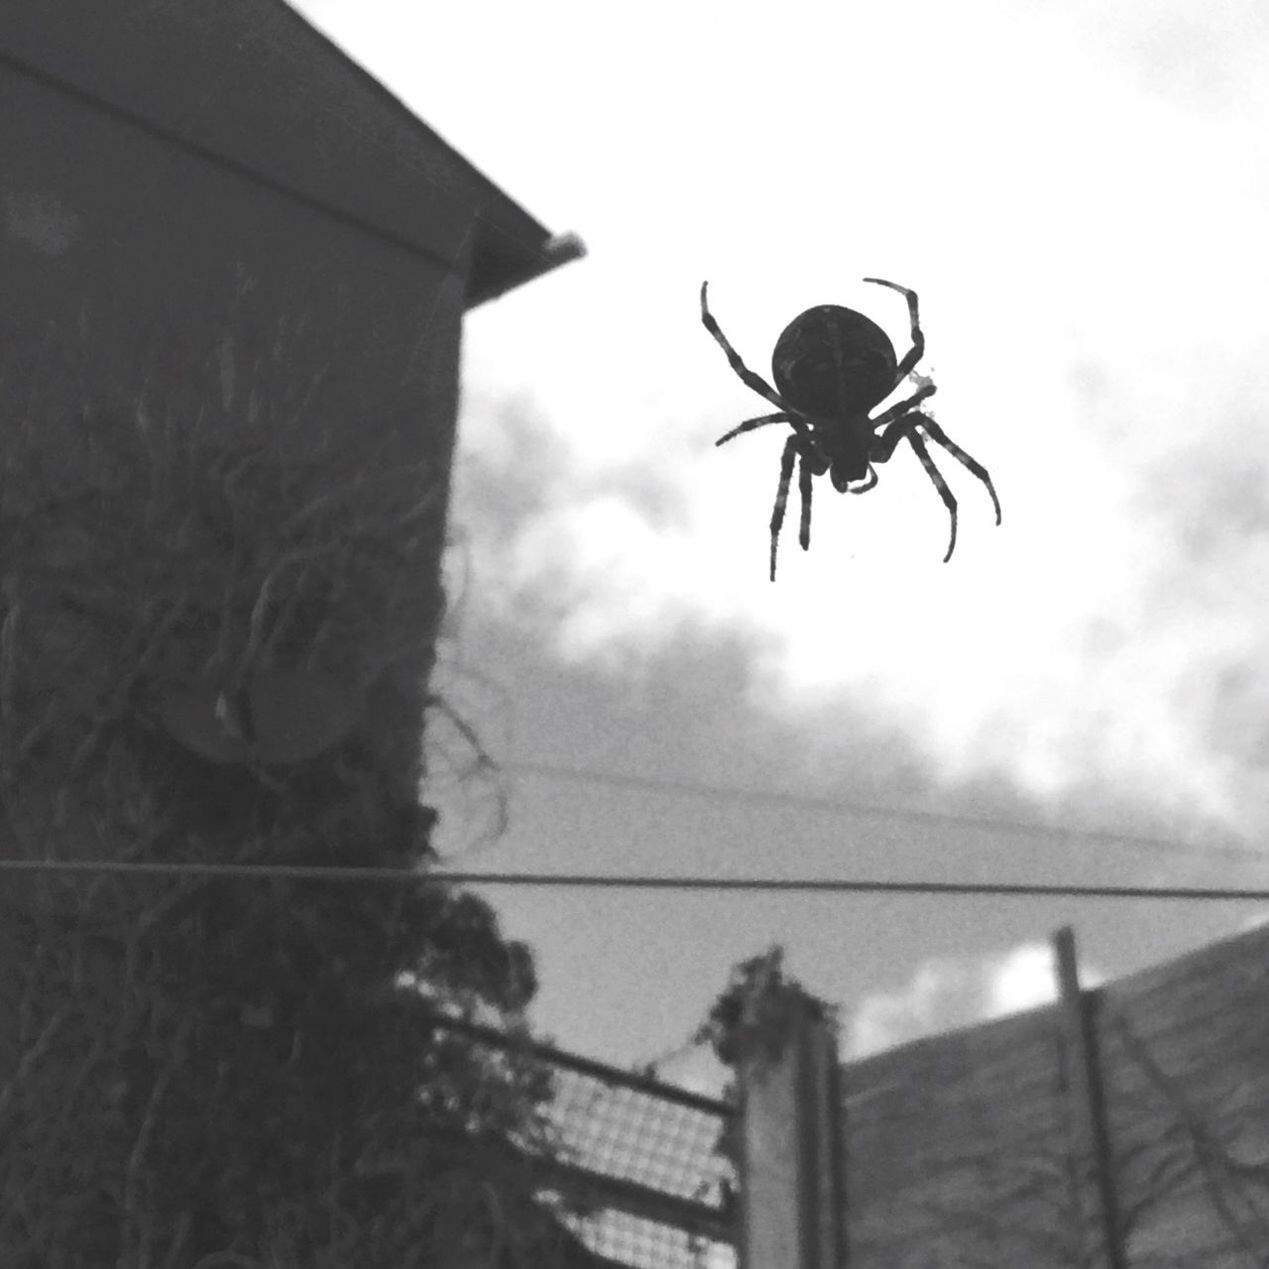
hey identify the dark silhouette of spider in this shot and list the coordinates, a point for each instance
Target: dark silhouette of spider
(831, 366)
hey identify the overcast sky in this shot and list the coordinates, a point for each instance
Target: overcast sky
(1079, 193)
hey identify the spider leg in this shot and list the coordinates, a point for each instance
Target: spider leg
(917, 351)
(903, 407)
(749, 424)
(805, 472)
(914, 439)
(937, 434)
(884, 447)
(782, 495)
(747, 376)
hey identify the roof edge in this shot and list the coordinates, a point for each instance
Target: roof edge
(511, 247)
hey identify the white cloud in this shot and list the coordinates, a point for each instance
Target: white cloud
(1089, 264)
(947, 993)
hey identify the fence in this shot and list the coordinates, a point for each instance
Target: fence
(641, 1158)
(1125, 1126)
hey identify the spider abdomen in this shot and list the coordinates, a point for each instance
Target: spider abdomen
(833, 362)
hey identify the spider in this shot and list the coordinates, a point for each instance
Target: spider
(831, 366)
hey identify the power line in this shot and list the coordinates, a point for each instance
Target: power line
(814, 802)
(600, 881)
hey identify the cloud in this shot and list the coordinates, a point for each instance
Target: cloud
(1094, 654)
(1208, 59)
(1089, 305)
(604, 556)
(947, 993)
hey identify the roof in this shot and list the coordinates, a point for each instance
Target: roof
(252, 84)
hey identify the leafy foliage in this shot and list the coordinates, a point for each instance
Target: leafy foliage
(233, 1071)
(752, 1018)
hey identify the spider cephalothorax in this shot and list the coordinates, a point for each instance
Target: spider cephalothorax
(831, 366)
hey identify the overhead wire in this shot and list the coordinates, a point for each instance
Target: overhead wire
(841, 806)
(601, 881)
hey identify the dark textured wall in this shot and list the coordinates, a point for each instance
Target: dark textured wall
(139, 276)
(109, 230)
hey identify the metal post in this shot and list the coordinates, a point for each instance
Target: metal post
(1092, 1134)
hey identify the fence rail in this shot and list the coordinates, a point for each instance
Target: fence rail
(640, 1158)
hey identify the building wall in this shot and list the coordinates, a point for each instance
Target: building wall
(109, 230)
(253, 81)
(141, 276)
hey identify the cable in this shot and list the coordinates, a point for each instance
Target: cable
(599, 881)
(798, 801)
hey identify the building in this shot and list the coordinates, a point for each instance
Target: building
(234, 271)
(208, 207)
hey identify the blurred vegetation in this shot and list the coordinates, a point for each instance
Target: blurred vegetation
(212, 1071)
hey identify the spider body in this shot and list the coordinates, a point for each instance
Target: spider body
(832, 361)
(831, 367)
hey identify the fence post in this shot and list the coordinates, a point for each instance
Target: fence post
(1088, 1098)
(791, 1190)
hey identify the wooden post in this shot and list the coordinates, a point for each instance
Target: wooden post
(790, 1184)
(1088, 1101)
